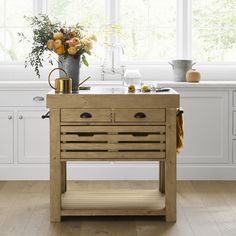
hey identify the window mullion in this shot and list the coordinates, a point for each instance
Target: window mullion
(40, 7)
(184, 30)
(113, 20)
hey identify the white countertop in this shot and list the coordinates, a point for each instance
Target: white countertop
(43, 85)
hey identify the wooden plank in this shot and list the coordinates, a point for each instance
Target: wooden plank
(170, 165)
(55, 166)
(153, 100)
(113, 146)
(113, 137)
(122, 199)
(113, 155)
(109, 124)
(97, 115)
(128, 115)
(107, 129)
(107, 212)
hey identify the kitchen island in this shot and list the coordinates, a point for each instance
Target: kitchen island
(110, 124)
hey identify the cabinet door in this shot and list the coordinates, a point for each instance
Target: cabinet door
(33, 137)
(206, 127)
(6, 136)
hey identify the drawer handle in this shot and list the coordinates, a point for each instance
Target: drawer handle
(38, 99)
(86, 115)
(140, 115)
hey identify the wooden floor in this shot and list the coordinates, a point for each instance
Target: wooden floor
(203, 208)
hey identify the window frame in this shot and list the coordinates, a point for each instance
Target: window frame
(183, 37)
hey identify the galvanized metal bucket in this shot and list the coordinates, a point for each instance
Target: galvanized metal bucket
(72, 67)
(180, 68)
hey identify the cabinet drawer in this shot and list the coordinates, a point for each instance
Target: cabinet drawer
(234, 123)
(234, 98)
(23, 98)
(86, 115)
(140, 115)
(234, 151)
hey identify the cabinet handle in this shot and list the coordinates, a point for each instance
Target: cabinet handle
(9, 117)
(86, 115)
(140, 115)
(20, 117)
(38, 99)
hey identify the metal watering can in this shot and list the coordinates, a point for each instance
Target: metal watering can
(180, 68)
(63, 84)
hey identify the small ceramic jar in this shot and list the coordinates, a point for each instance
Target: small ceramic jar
(193, 76)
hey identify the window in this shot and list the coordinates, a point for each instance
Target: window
(133, 31)
(11, 22)
(214, 31)
(148, 30)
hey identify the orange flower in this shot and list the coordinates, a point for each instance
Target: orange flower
(72, 34)
(50, 44)
(73, 42)
(58, 35)
(72, 50)
(60, 50)
(57, 43)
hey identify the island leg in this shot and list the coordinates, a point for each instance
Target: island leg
(63, 176)
(162, 176)
(170, 165)
(55, 166)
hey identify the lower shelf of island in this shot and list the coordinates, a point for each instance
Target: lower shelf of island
(113, 202)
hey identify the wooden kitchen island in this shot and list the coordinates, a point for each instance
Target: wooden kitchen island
(110, 124)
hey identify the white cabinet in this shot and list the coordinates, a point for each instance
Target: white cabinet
(234, 150)
(6, 136)
(33, 137)
(206, 127)
(234, 123)
(23, 134)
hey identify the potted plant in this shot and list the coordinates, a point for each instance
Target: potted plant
(70, 43)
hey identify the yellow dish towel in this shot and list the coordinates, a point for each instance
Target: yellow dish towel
(179, 130)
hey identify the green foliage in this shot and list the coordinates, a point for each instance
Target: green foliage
(84, 60)
(43, 29)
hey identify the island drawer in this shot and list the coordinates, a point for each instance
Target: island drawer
(142, 115)
(86, 115)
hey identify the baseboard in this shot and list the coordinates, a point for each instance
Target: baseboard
(118, 172)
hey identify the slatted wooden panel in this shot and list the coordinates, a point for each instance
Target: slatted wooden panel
(128, 142)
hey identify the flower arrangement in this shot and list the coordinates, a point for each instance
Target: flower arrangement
(56, 38)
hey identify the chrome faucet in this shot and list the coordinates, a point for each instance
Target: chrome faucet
(114, 70)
